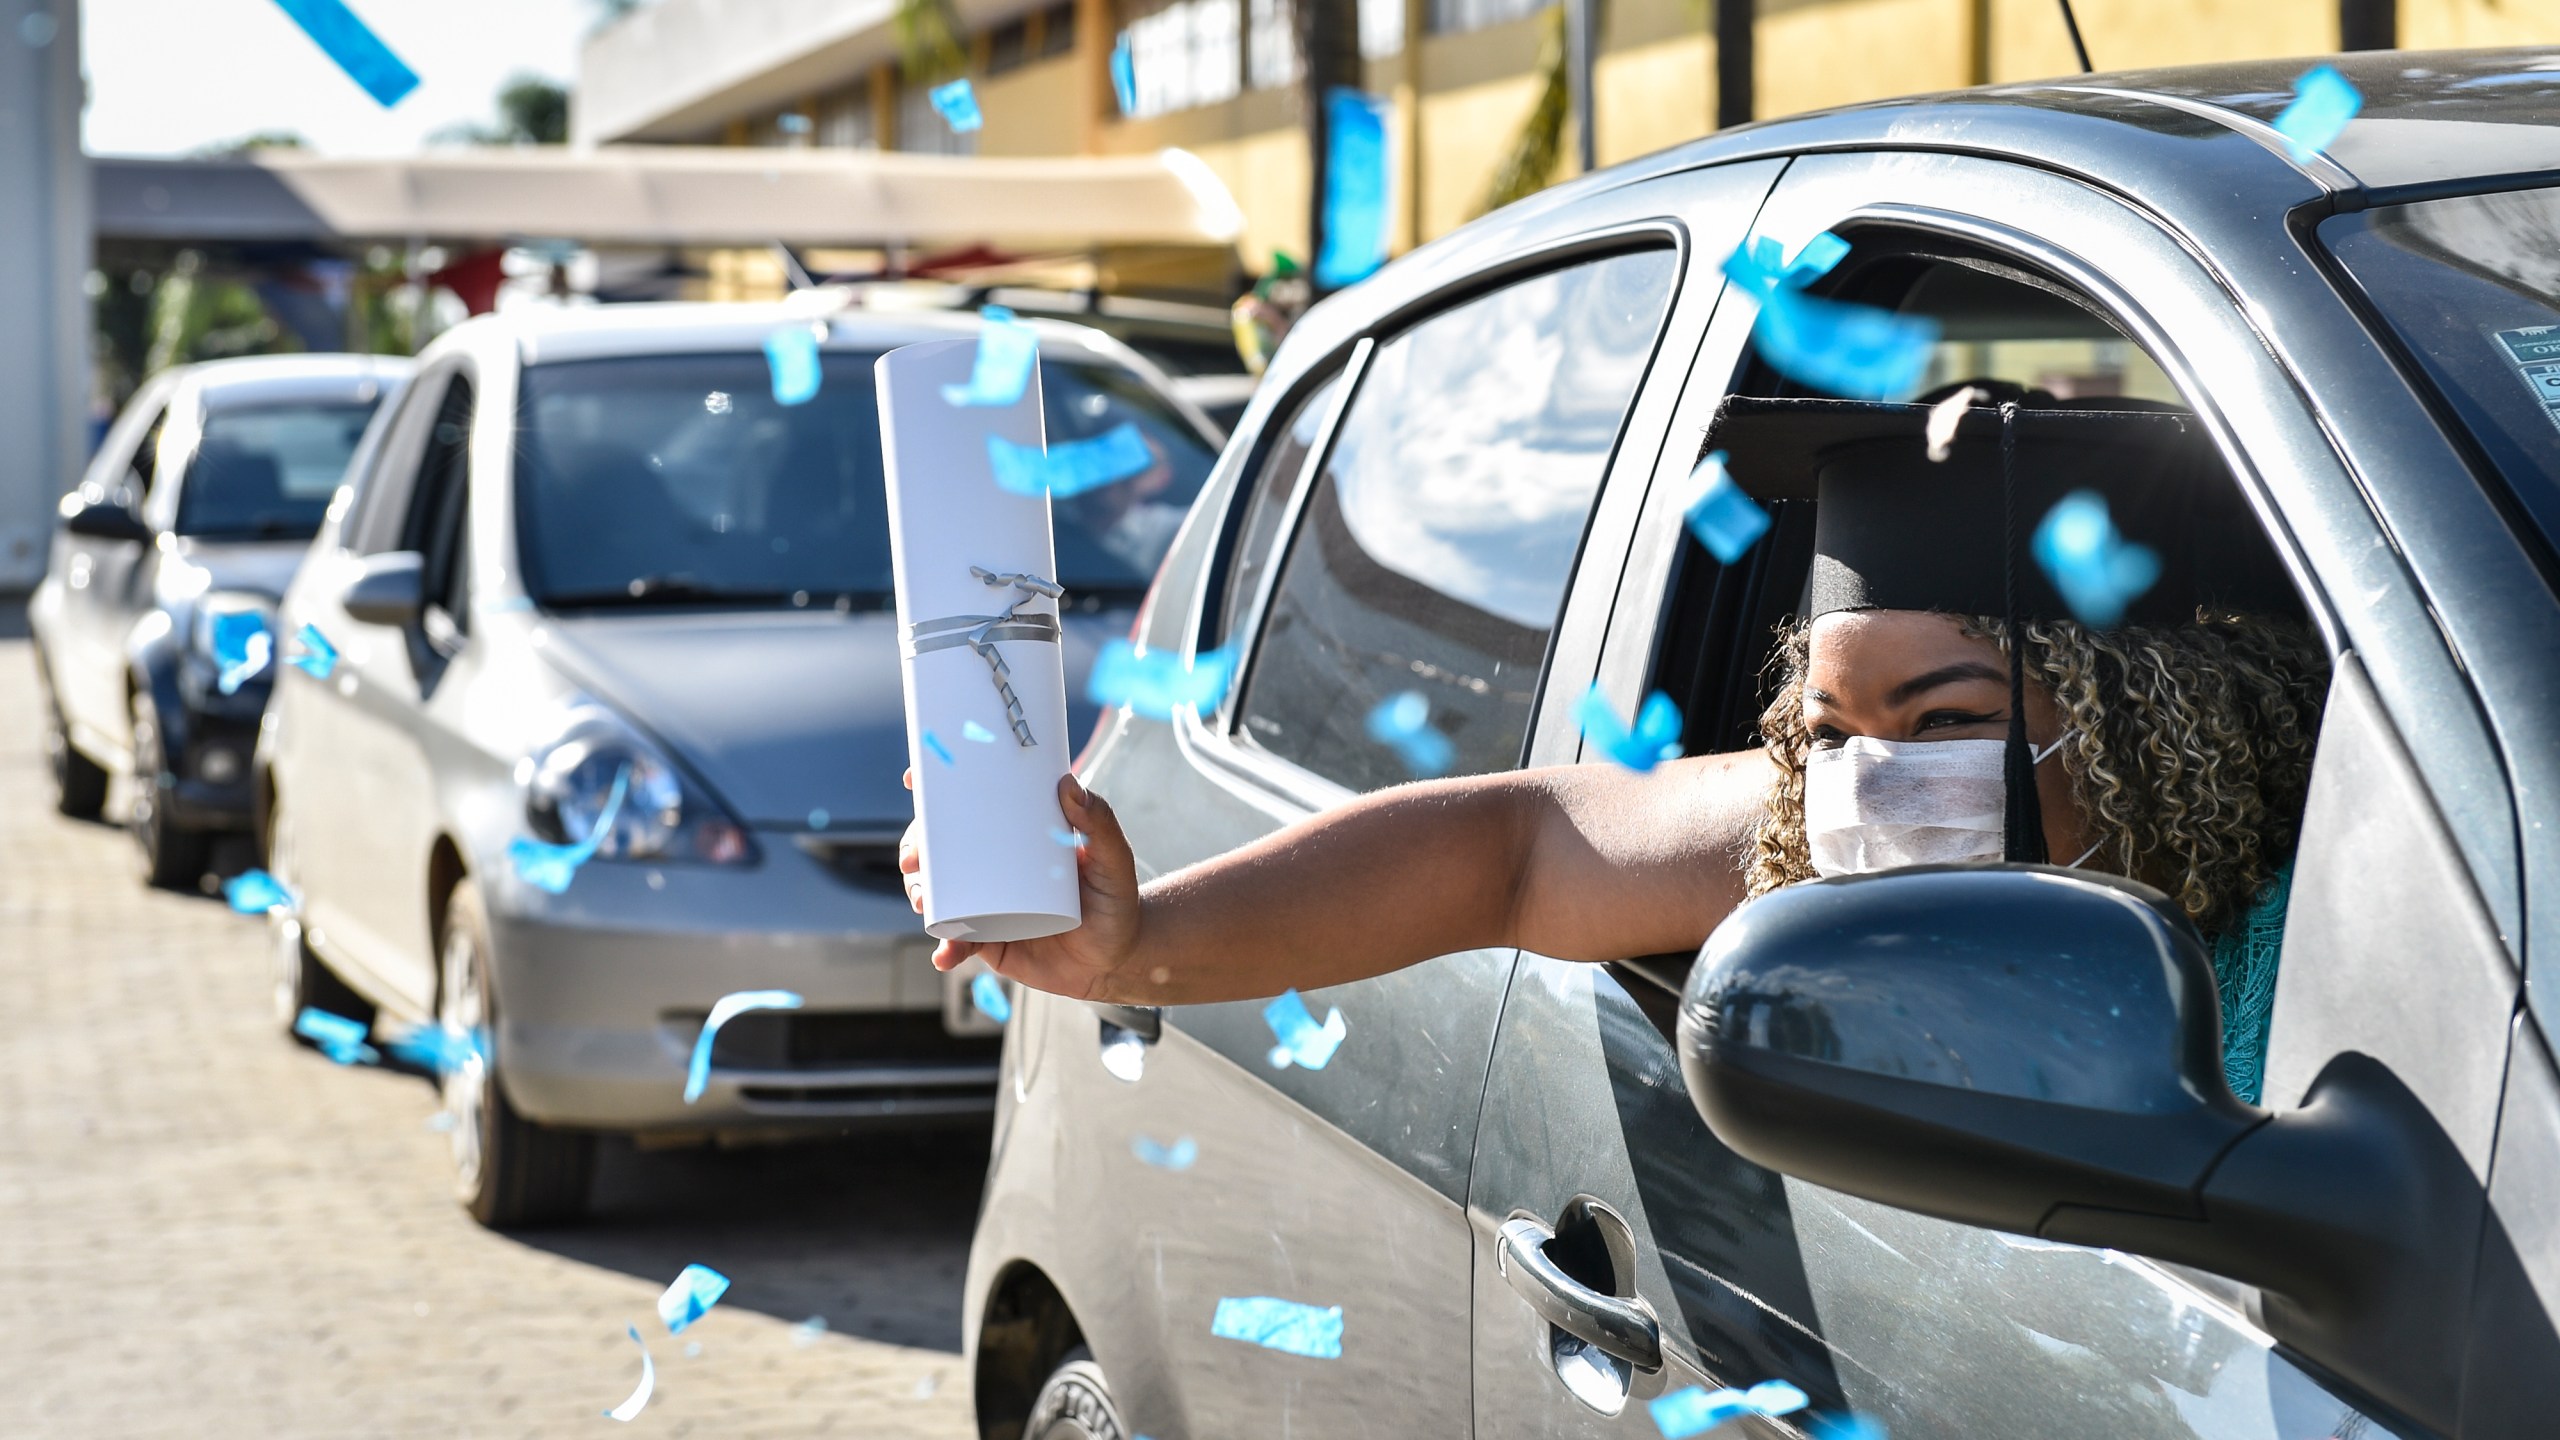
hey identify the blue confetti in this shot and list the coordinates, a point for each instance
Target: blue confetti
(255, 892)
(314, 655)
(1655, 738)
(441, 1049)
(957, 104)
(1008, 351)
(1070, 467)
(549, 867)
(695, 1291)
(818, 819)
(2097, 570)
(1693, 1411)
(1355, 188)
(792, 354)
(1303, 1042)
(1068, 838)
(629, 1410)
(809, 1332)
(1124, 76)
(934, 743)
(1402, 723)
(1853, 350)
(971, 730)
(356, 49)
(1845, 1427)
(1283, 1325)
(2323, 102)
(338, 1037)
(1177, 1156)
(987, 993)
(242, 648)
(697, 1071)
(1156, 683)
(1724, 519)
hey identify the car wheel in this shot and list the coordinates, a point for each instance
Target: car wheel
(79, 783)
(1075, 1404)
(302, 979)
(173, 856)
(507, 1170)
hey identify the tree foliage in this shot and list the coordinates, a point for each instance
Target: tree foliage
(1530, 164)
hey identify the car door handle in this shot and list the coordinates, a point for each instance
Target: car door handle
(1144, 1021)
(1614, 1325)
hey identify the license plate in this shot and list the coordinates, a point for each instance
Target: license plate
(960, 1013)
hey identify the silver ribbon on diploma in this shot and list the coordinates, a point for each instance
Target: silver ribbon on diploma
(980, 632)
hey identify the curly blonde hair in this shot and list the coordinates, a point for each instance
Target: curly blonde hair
(2190, 756)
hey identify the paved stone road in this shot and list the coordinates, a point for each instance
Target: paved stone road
(208, 1231)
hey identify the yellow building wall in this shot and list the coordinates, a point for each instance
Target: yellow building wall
(2461, 24)
(1032, 110)
(2028, 42)
(1813, 54)
(1476, 88)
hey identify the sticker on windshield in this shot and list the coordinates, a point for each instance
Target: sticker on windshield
(2536, 352)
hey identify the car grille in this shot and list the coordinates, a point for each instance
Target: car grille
(824, 1040)
(865, 862)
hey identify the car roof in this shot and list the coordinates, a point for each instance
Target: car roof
(271, 379)
(556, 334)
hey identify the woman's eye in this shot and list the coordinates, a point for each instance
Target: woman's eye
(1950, 719)
(1826, 738)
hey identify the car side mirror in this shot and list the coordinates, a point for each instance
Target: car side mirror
(103, 519)
(388, 590)
(2038, 1051)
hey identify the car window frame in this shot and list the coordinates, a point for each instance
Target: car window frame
(378, 515)
(1290, 790)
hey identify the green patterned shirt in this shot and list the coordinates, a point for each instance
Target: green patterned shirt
(2244, 974)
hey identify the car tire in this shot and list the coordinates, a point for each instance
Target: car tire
(508, 1171)
(1075, 1404)
(173, 856)
(302, 979)
(79, 783)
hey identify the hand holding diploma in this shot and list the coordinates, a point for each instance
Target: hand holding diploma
(1090, 962)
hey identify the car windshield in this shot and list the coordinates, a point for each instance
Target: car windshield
(2471, 287)
(267, 471)
(677, 479)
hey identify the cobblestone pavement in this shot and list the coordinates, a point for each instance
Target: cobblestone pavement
(208, 1231)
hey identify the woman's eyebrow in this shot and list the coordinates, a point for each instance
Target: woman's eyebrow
(1944, 675)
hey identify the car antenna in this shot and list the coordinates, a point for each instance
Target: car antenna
(798, 274)
(2079, 47)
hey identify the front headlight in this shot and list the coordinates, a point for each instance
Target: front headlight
(663, 816)
(234, 633)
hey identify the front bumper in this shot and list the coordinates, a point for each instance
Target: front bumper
(212, 739)
(602, 991)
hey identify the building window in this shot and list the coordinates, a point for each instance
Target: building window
(1271, 44)
(1009, 46)
(1187, 54)
(1057, 31)
(844, 120)
(1447, 17)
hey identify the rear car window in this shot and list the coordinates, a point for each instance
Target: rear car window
(1433, 551)
(2471, 288)
(266, 472)
(677, 479)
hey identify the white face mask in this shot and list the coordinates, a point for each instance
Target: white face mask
(1881, 804)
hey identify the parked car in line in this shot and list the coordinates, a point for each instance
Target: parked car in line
(196, 507)
(592, 549)
(1466, 477)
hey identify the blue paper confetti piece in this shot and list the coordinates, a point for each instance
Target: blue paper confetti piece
(356, 49)
(1008, 351)
(629, 1410)
(548, 866)
(809, 1332)
(2323, 102)
(1124, 76)
(934, 743)
(1694, 1411)
(957, 104)
(1177, 1156)
(791, 353)
(987, 993)
(1283, 1325)
(696, 1289)
(971, 730)
(441, 1049)
(1156, 683)
(255, 892)
(2097, 570)
(242, 648)
(1355, 188)
(1402, 723)
(1724, 519)
(1067, 838)
(697, 1071)
(1070, 467)
(338, 1037)
(314, 655)
(1853, 350)
(1303, 1042)
(1655, 738)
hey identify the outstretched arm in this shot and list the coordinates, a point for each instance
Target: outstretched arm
(1587, 862)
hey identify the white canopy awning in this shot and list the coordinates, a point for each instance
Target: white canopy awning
(673, 195)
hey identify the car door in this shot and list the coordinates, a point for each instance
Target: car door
(107, 584)
(1936, 1329)
(1412, 528)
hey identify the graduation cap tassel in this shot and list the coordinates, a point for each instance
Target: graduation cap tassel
(2022, 837)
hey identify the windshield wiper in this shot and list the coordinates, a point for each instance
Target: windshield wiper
(675, 589)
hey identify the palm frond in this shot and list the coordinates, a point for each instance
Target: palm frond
(929, 48)
(1531, 163)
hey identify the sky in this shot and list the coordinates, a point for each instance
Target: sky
(169, 76)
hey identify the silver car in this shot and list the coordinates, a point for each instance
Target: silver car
(591, 563)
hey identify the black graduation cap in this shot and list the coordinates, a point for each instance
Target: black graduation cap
(1895, 530)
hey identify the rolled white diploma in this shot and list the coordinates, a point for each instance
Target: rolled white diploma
(990, 815)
